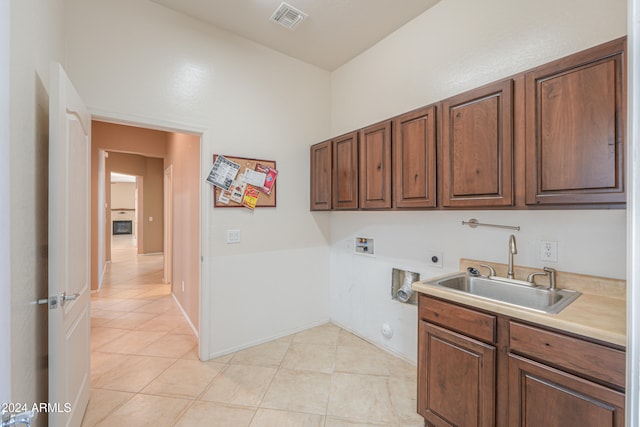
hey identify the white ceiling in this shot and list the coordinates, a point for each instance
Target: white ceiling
(334, 32)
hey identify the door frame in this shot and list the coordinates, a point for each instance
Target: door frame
(633, 222)
(5, 211)
(205, 213)
(168, 225)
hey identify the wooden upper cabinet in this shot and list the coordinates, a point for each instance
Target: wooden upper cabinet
(477, 147)
(575, 124)
(375, 166)
(345, 171)
(321, 167)
(414, 142)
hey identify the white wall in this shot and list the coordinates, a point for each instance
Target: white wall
(456, 46)
(138, 59)
(36, 39)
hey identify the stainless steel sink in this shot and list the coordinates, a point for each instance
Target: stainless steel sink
(508, 291)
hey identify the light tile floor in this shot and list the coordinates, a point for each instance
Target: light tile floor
(145, 370)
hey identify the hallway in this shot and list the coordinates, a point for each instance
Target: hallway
(137, 332)
(145, 370)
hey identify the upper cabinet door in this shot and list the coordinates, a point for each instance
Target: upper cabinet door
(345, 171)
(414, 153)
(477, 147)
(375, 166)
(321, 167)
(575, 124)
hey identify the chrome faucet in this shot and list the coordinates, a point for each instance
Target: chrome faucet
(512, 251)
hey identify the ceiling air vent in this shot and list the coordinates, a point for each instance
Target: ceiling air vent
(288, 16)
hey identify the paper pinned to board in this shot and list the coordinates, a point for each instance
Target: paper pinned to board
(250, 199)
(223, 172)
(254, 178)
(270, 177)
(237, 191)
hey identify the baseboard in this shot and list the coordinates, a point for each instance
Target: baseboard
(381, 347)
(101, 278)
(184, 314)
(265, 340)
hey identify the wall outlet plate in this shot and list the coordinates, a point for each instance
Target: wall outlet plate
(434, 258)
(548, 251)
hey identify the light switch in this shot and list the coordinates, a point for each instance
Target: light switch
(233, 236)
(150, 219)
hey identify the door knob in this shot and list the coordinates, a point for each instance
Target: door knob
(62, 298)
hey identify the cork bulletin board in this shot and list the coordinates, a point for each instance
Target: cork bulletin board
(264, 200)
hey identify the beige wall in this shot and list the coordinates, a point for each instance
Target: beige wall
(122, 139)
(123, 195)
(150, 196)
(183, 154)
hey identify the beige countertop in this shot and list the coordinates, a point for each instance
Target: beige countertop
(599, 313)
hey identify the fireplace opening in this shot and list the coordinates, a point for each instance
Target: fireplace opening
(122, 227)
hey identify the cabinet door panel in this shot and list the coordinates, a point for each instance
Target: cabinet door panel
(456, 377)
(415, 159)
(575, 110)
(375, 166)
(345, 171)
(321, 155)
(543, 396)
(580, 155)
(477, 147)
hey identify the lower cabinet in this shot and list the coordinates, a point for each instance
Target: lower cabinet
(455, 365)
(543, 396)
(477, 368)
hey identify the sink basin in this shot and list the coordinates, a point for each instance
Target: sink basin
(514, 292)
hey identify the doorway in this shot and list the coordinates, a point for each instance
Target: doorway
(163, 164)
(123, 201)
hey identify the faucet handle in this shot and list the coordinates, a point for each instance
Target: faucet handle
(531, 277)
(492, 272)
(552, 277)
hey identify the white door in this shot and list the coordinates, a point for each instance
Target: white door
(5, 212)
(69, 233)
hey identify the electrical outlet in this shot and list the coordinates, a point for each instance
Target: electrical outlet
(549, 251)
(434, 259)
